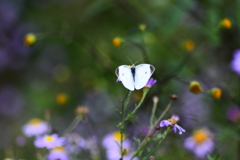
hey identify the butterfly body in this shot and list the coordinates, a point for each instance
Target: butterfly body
(134, 77)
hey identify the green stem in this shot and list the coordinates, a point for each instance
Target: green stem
(163, 114)
(147, 137)
(74, 123)
(122, 126)
(159, 143)
(153, 114)
(145, 91)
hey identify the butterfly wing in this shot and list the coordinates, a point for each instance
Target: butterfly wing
(142, 74)
(125, 75)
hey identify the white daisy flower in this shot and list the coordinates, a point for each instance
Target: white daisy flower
(35, 127)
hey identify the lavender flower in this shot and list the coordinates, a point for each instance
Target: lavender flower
(113, 139)
(172, 122)
(35, 127)
(118, 80)
(200, 143)
(58, 153)
(150, 83)
(111, 143)
(235, 64)
(49, 141)
(233, 114)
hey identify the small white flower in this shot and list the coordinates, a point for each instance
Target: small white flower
(35, 127)
(49, 141)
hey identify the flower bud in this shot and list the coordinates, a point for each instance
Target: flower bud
(216, 93)
(116, 42)
(195, 87)
(81, 110)
(174, 97)
(189, 45)
(142, 27)
(155, 99)
(226, 23)
(30, 39)
(61, 99)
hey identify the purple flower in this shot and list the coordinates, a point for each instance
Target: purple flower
(200, 143)
(150, 82)
(49, 141)
(58, 153)
(233, 114)
(35, 127)
(118, 80)
(172, 122)
(113, 152)
(235, 64)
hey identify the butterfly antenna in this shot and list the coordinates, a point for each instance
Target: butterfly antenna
(139, 60)
(129, 59)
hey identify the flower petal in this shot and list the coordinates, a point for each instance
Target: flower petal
(179, 128)
(165, 123)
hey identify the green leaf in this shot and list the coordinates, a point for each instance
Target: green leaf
(148, 149)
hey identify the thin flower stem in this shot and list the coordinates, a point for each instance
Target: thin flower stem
(151, 131)
(74, 123)
(163, 113)
(122, 126)
(153, 114)
(159, 143)
(145, 91)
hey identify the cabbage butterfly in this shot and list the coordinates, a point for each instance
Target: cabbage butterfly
(134, 77)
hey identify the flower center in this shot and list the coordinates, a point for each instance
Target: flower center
(49, 138)
(117, 136)
(173, 122)
(35, 121)
(200, 136)
(59, 149)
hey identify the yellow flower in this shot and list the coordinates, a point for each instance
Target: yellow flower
(30, 39)
(189, 45)
(226, 23)
(195, 87)
(116, 42)
(216, 93)
(142, 27)
(61, 98)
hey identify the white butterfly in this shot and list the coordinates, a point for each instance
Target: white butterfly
(134, 77)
